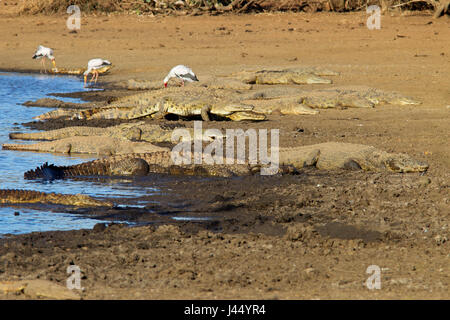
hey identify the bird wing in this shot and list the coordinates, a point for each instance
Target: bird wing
(188, 75)
(98, 63)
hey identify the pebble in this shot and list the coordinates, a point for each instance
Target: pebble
(98, 227)
(423, 181)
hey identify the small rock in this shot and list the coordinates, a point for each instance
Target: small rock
(440, 239)
(423, 181)
(99, 227)
(310, 273)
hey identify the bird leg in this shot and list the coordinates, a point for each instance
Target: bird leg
(96, 76)
(54, 66)
(42, 65)
(45, 64)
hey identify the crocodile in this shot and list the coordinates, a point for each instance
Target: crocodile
(194, 101)
(355, 96)
(55, 114)
(232, 111)
(55, 103)
(324, 156)
(78, 71)
(212, 83)
(235, 112)
(336, 97)
(287, 76)
(139, 131)
(157, 162)
(99, 145)
(318, 71)
(337, 155)
(285, 106)
(12, 196)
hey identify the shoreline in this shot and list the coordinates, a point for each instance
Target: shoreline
(307, 236)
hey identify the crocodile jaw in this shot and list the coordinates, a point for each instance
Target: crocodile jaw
(252, 116)
(403, 163)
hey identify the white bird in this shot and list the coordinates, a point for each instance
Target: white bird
(181, 72)
(93, 65)
(44, 53)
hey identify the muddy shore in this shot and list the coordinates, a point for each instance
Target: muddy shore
(306, 236)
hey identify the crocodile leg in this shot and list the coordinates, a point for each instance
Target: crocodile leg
(162, 112)
(205, 111)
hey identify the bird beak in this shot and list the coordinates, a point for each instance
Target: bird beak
(85, 80)
(165, 85)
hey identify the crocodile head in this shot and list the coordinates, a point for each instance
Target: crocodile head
(403, 101)
(309, 78)
(404, 163)
(246, 115)
(225, 110)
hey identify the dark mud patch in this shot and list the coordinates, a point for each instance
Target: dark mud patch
(347, 232)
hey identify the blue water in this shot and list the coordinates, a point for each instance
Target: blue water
(14, 90)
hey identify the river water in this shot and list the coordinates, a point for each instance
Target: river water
(15, 89)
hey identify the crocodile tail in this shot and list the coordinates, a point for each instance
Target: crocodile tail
(92, 168)
(46, 171)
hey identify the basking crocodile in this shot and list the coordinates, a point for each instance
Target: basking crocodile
(328, 156)
(287, 76)
(318, 71)
(185, 102)
(55, 103)
(79, 71)
(139, 131)
(90, 145)
(355, 96)
(141, 164)
(285, 106)
(337, 155)
(343, 96)
(9, 196)
(212, 83)
(55, 114)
